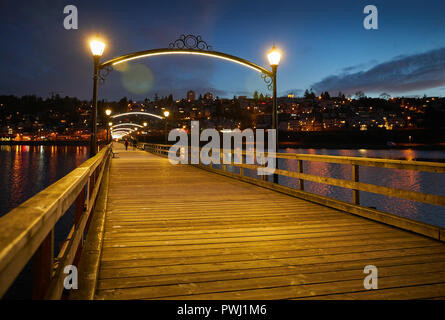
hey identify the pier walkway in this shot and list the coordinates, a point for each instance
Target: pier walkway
(180, 232)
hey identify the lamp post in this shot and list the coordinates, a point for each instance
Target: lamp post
(274, 57)
(110, 124)
(144, 138)
(108, 113)
(166, 114)
(97, 49)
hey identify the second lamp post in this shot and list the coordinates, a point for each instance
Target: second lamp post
(274, 58)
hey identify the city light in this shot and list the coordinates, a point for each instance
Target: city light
(108, 112)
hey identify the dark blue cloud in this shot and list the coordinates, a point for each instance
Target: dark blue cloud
(401, 74)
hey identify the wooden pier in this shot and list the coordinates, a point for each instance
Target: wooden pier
(163, 231)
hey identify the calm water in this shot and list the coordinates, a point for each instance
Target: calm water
(26, 170)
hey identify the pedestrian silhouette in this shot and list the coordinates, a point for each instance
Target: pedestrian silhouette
(126, 144)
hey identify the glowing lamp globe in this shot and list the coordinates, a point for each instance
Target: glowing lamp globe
(274, 57)
(97, 48)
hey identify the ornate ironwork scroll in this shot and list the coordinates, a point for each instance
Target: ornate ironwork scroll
(103, 73)
(268, 80)
(190, 42)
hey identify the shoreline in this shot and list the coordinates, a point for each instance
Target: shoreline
(44, 143)
(283, 145)
(354, 146)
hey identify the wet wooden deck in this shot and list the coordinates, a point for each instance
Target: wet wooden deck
(179, 232)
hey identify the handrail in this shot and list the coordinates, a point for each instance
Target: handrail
(28, 230)
(354, 184)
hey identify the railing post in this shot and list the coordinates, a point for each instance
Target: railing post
(300, 170)
(42, 261)
(79, 211)
(355, 178)
(264, 176)
(241, 169)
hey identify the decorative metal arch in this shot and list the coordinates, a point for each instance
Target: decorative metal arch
(191, 45)
(121, 130)
(137, 112)
(126, 124)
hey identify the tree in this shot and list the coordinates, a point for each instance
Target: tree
(255, 95)
(309, 94)
(385, 96)
(341, 95)
(170, 100)
(360, 94)
(325, 95)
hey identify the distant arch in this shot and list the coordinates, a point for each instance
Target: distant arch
(137, 113)
(126, 124)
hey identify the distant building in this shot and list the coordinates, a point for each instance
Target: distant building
(208, 96)
(190, 96)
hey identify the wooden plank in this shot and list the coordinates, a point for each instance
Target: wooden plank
(376, 215)
(283, 287)
(174, 235)
(264, 254)
(257, 272)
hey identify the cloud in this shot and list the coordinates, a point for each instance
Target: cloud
(401, 74)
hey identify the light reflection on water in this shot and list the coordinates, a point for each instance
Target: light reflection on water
(26, 170)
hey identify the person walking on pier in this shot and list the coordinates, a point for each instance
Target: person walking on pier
(126, 144)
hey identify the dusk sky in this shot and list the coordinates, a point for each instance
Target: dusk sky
(324, 45)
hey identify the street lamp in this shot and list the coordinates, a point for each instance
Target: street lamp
(97, 49)
(108, 113)
(110, 124)
(166, 114)
(274, 57)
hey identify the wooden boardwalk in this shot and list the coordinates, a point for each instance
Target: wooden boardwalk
(179, 232)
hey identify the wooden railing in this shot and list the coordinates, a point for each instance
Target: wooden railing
(354, 184)
(27, 232)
